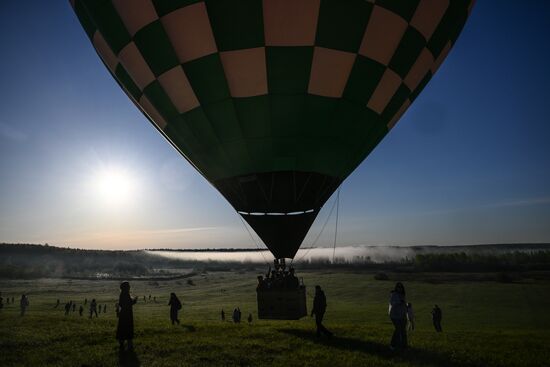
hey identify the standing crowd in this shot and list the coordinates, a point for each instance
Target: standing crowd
(400, 311)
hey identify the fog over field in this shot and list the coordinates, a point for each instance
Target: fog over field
(375, 254)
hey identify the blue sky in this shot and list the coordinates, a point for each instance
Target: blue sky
(468, 163)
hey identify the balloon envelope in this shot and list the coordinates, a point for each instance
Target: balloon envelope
(274, 102)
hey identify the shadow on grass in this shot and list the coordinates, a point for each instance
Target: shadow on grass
(128, 358)
(410, 355)
(190, 328)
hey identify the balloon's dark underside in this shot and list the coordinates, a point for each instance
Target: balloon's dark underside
(280, 206)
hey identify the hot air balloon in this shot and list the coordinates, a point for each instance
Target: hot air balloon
(274, 102)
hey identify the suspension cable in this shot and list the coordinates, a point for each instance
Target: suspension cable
(261, 250)
(320, 232)
(336, 225)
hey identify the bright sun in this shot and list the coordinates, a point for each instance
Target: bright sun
(114, 185)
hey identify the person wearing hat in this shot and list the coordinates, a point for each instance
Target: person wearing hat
(125, 327)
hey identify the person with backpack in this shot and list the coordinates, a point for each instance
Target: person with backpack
(175, 306)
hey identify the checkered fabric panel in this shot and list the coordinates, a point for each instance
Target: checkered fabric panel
(245, 86)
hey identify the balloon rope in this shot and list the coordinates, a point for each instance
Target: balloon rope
(336, 225)
(253, 240)
(319, 234)
(329, 281)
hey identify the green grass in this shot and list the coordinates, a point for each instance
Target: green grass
(485, 324)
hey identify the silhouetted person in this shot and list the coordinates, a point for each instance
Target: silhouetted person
(57, 303)
(261, 283)
(105, 308)
(398, 316)
(292, 280)
(93, 308)
(80, 310)
(223, 315)
(125, 328)
(67, 308)
(155, 299)
(437, 315)
(85, 301)
(149, 297)
(8, 300)
(99, 308)
(319, 309)
(74, 306)
(410, 316)
(23, 304)
(235, 316)
(175, 306)
(2, 301)
(249, 318)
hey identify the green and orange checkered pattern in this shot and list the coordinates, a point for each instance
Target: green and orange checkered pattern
(245, 86)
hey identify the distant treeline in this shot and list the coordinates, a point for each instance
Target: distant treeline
(27, 261)
(487, 247)
(480, 262)
(445, 262)
(24, 261)
(209, 249)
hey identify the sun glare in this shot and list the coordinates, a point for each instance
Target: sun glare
(114, 185)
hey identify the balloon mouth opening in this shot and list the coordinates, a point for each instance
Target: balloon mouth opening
(276, 213)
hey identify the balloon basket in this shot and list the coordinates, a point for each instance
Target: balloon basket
(282, 304)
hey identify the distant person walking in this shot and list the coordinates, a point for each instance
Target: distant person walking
(175, 306)
(2, 301)
(437, 315)
(223, 315)
(398, 316)
(74, 306)
(410, 316)
(319, 309)
(57, 303)
(93, 308)
(125, 327)
(67, 308)
(24, 303)
(105, 308)
(81, 310)
(236, 319)
(99, 308)
(249, 318)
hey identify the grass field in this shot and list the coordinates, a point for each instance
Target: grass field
(485, 323)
